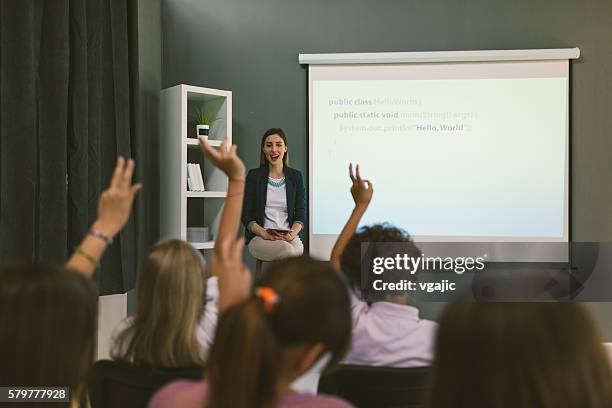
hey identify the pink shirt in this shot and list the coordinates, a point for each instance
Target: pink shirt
(389, 334)
(190, 394)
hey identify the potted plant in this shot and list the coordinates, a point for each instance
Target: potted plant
(203, 121)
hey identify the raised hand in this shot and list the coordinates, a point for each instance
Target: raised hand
(115, 203)
(234, 277)
(361, 190)
(114, 207)
(225, 159)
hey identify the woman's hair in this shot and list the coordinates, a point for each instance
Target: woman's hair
(528, 355)
(273, 131)
(48, 320)
(171, 293)
(313, 308)
(350, 259)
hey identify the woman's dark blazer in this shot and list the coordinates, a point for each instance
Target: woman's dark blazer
(255, 195)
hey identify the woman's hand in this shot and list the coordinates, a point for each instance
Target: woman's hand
(263, 233)
(361, 190)
(234, 276)
(289, 236)
(225, 159)
(115, 203)
(268, 236)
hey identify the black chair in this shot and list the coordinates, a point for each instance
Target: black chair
(376, 387)
(118, 384)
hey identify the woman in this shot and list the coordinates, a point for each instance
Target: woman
(298, 315)
(274, 207)
(528, 355)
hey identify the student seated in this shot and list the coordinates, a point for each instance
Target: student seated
(48, 318)
(387, 332)
(175, 322)
(48, 314)
(299, 314)
(528, 355)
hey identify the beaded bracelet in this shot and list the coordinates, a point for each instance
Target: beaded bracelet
(102, 236)
(87, 256)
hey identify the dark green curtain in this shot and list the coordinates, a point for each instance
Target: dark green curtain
(68, 75)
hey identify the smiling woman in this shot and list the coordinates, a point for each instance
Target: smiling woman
(274, 207)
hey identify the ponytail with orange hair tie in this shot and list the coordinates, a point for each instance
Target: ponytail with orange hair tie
(268, 296)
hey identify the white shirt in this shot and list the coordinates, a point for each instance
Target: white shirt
(390, 334)
(205, 331)
(276, 215)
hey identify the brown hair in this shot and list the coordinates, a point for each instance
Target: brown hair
(528, 355)
(171, 293)
(48, 319)
(270, 132)
(313, 308)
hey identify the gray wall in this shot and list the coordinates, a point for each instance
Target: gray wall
(251, 47)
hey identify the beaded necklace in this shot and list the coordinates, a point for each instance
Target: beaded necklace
(274, 183)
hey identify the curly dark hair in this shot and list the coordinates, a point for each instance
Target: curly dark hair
(350, 260)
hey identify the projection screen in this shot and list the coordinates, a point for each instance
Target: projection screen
(456, 150)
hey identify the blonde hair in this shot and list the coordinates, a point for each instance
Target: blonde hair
(171, 293)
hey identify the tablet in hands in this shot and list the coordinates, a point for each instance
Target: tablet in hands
(277, 231)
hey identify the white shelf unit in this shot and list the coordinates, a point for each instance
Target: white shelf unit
(207, 194)
(196, 144)
(203, 245)
(180, 208)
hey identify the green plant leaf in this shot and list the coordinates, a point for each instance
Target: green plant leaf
(202, 117)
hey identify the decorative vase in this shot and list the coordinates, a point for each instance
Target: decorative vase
(202, 130)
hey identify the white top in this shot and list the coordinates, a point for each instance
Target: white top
(205, 331)
(276, 215)
(390, 334)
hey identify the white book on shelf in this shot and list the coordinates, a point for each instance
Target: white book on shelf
(191, 180)
(200, 177)
(196, 177)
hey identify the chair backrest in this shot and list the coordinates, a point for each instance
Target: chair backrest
(379, 387)
(119, 384)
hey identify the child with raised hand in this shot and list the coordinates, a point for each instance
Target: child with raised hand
(264, 341)
(226, 159)
(48, 314)
(114, 208)
(171, 327)
(387, 332)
